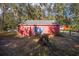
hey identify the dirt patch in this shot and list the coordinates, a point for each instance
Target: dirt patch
(58, 46)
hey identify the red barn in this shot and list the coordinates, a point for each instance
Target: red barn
(32, 27)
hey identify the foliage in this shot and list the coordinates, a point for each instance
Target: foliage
(13, 14)
(9, 21)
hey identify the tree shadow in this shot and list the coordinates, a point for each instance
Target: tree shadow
(75, 39)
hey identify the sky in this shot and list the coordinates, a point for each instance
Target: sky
(1, 12)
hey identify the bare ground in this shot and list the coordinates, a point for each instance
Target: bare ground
(64, 45)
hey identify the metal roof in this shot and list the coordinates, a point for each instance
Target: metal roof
(40, 22)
